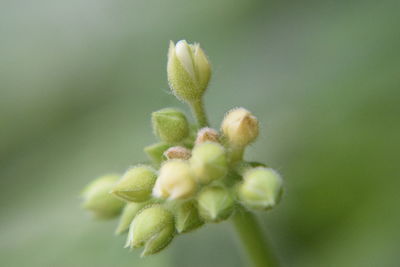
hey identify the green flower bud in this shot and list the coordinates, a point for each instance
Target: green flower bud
(261, 189)
(153, 228)
(136, 185)
(240, 127)
(207, 135)
(156, 151)
(215, 204)
(99, 201)
(208, 162)
(187, 217)
(128, 213)
(189, 71)
(178, 152)
(175, 180)
(170, 125)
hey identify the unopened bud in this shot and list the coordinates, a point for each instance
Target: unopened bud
(208, 162)
(170, 125)
(187, 217)
(207, 135)
(177, 152)
(156, 151)
(99, 201)
(261, 189)
(175, 180)
(128, 213)
(215, 203)
(189, 70)
(240, 127)
(136, 184)
(153, 228)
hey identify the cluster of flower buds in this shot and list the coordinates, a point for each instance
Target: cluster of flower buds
(196, 175)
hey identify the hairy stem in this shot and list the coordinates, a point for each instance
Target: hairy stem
(253, 240)
(199, 113)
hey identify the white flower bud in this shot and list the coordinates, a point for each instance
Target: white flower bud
(188, 70)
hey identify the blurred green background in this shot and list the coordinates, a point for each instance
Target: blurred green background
(79, 79)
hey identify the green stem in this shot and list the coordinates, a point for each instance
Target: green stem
(235, 154)
(199, 113)
(253, 240)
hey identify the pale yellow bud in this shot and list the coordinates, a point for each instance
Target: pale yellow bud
(177, 152)
(175, 180)
(240, 127)
(207, 135)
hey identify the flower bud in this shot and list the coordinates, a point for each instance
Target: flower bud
(207, 135)
(129, 212)
(261, 189)
(170, 125)
(240, 127)
(177, 152)
(175, 180)
(208, 162)
(136, 184)
(189, 71)
(156, 151)
(187, 217)
(153, 228)
(215, 203)
(99, 201)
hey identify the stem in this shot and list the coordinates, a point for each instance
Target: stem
(236, 154)
(199, 113)
(253, 240)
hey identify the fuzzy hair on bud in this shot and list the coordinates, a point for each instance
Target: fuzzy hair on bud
(188, 70)
(136, 184)
(175, 180)
(207, 134)
(240, 127)
(178, 152)
(153, 227)
(170, 125)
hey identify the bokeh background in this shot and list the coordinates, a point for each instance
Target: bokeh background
(79, 79)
